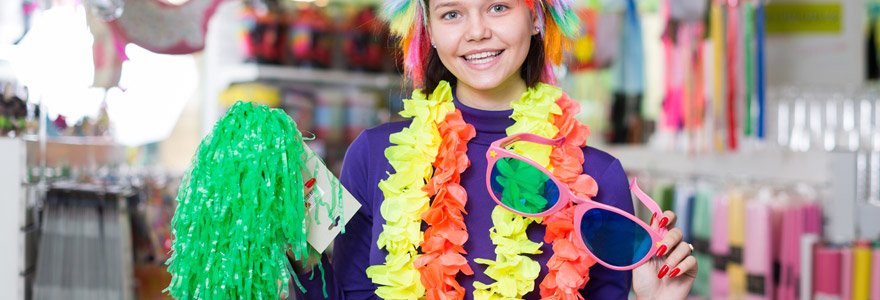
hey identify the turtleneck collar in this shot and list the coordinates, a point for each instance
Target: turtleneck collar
(485, 120)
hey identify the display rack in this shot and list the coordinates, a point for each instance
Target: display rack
(849, 213)
(764, 166)
(223, 66)
(17, 226)
(256, 72)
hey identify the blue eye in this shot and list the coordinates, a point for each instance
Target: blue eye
(450, 15)
(498, 8)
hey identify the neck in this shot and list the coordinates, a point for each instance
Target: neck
(493, 99)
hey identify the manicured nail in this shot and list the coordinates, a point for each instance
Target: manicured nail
(663, 271)
(661, 250)
(663, 222)
(310, 183)
(674, 272)
(652, 218)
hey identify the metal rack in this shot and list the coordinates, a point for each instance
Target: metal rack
(85, 244)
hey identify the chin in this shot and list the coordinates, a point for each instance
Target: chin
(482, 83)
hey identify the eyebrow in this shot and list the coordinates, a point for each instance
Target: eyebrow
(445, 4)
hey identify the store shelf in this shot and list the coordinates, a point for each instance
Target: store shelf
(764, 166)
(74, 140)
(252, 72)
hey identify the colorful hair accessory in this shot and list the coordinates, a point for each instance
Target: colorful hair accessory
(239, 204)
(408, 22)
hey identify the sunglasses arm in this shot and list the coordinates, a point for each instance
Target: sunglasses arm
(529, 137)
(646, 200)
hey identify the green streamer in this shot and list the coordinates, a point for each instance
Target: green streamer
(239, 206)
(523, 185)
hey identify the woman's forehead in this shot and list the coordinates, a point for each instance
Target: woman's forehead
(436, 4)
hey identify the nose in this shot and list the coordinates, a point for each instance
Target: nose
(478, 29)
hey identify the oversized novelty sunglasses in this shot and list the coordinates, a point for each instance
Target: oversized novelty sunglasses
(615, 238)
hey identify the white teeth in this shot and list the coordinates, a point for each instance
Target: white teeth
(482, 55)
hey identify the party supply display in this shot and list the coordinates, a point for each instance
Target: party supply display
(239, 204)
(408, 19)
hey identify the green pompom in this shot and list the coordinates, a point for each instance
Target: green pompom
(239, 205)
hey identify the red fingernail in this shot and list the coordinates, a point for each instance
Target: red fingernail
(663, 222)
(661, 250)
(674, 272)
(652, 218)
(663, 271)
(310, 183)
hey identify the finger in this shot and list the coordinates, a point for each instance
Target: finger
(687, 266)
(667, 219)
(681, 251)
(672, 237)
(308, 186)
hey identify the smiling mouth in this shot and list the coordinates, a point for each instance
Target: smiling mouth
(482, 57)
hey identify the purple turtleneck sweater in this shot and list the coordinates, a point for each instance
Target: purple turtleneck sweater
(365, 165)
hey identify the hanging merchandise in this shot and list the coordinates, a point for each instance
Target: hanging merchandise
(240, 204)
(701, 235)
(732, 52)
(736, 235)
(261, 32)
(760, 84)
(364, 39)
(584, 46)
(716, 24)
(758, 250)
(748, 53)
(310, 38)
(720, 247)
(627, 123)
(159, 27)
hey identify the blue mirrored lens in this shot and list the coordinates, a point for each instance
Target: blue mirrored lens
(522, 187)
(613, 238)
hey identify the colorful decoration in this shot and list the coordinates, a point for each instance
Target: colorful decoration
(415, 149)
(165, 28)
(238, 206)
(437, 134)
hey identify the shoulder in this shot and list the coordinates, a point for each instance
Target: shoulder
(376, 137)
(597, 162)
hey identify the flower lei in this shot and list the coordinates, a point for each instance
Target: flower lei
(438, 137)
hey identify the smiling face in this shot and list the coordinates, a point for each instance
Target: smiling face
(483, 43)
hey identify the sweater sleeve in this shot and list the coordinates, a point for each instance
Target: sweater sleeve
(345, 273)
(606, 283)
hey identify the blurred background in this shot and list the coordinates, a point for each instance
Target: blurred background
(758, 122)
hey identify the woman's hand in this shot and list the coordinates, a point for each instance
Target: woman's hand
(670, 274)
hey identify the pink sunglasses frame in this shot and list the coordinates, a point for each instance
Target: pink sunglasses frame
(497, 150)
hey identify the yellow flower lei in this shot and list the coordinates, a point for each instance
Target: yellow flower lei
(513, 272)
(415, 149)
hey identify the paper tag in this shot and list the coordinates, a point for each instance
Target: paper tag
(321, 235)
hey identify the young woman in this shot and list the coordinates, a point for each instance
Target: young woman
(428, 227)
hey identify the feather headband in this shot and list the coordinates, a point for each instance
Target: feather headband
(408, 24)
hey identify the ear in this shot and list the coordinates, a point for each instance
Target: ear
(536, 23)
